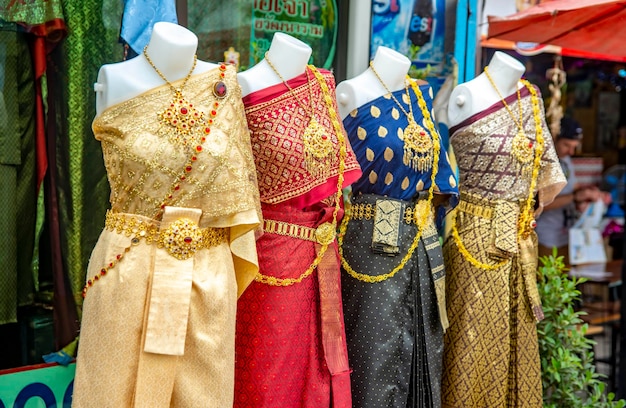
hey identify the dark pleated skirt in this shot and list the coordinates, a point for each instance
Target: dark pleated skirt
(395, 338)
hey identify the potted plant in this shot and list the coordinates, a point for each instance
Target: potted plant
(569, 374)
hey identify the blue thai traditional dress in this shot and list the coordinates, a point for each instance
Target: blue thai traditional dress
(393, 274)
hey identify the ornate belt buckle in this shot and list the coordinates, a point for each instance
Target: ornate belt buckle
(182, 238)
(325, 233)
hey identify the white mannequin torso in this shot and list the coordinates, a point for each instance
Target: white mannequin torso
(288, 55)
(171, 49)
(478, 94)
(365, 87)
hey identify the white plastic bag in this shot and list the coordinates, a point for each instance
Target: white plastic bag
(586, 244)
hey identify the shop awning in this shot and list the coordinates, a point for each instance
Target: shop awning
(583, 28)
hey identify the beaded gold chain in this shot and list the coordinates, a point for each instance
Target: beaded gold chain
(418, 146)
(526, 222)
(425, 213)
(521, 146)
(317, 145)
(273, 281)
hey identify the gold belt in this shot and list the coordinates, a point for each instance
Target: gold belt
(324, 234)
(475, 209)
(182, 238)
(367, 211)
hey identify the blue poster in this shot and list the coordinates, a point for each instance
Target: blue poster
(415, 28)
(37, 386)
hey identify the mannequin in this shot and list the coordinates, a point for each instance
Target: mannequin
(171, 48)
(290, 342)
(178, 244)
(478, 94)
(392, 288)
(508, 170)
(392, 67)
(287, 53)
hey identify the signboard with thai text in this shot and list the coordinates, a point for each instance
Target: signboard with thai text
(311, 21)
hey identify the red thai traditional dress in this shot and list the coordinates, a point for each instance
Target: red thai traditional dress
(290, 339)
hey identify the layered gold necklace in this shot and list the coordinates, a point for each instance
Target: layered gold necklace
(521, 146)
(418, 145)
(318, 146)
(181, 115)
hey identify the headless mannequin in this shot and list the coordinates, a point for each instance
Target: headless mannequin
(392, 68)
(171, 49)
(289, 55)
(478, 94)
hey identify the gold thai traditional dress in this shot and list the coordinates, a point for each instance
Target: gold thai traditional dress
(177, 249)
(491, 356)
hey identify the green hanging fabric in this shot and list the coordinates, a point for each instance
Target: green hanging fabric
(32, 12)
(82, 187)
(18, 188)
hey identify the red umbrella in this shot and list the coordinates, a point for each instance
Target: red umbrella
(592, 26)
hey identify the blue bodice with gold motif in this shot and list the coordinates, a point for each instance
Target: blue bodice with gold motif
(375, 130)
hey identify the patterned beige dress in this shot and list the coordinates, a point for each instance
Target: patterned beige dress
(491, 356)
(177, 250)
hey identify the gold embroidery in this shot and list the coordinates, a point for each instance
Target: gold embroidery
(361, 133)
(375, 112)
(124, 135)
(452, 181)
(388, 154)
(276, 127)
(405, 183)
(389, 178)
(317, 145)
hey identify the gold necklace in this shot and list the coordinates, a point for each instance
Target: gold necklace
(418, 145)
(521, 146)
(317, 144)
(181, 115)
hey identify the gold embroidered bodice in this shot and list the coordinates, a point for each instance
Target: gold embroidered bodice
(144, 162)
(486, 167)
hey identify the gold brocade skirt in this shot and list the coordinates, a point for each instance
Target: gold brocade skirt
(491, 356)
(113, 370)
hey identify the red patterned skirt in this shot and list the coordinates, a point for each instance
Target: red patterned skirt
(284, 354)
